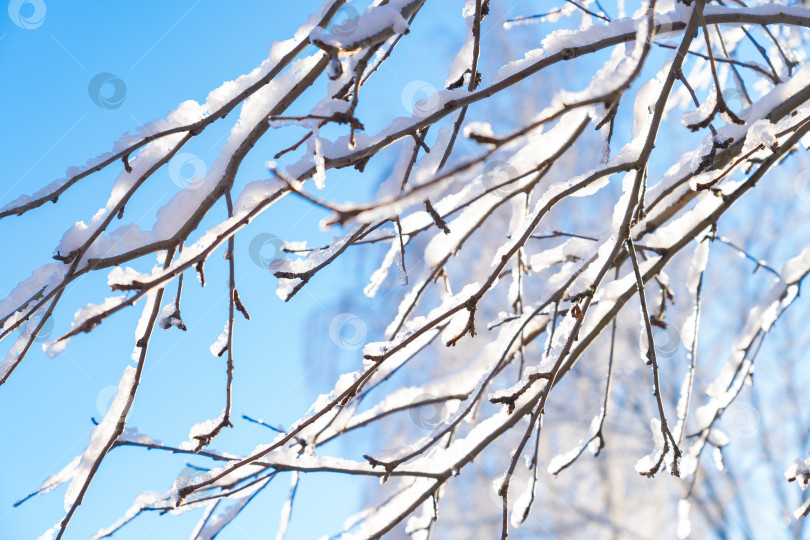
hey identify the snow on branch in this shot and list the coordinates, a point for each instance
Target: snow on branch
(526, 211)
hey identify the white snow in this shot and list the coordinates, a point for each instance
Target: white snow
(225, 512)
(684, 528)
(702, 113)
(53, 348)
(464, 57)
(373, 21)
(218, 345)
(760, 132)
(317, 151)
(147, 499)
(100, 438)
(131, 434)
(646, 463)
(799, 471)
(558, 461)
(201, 428)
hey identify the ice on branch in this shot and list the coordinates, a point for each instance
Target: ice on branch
(169, 316)
(464, 57)
(523, 497)
(374, 350)
(316, 147)
(219, 515)
(381, 273)
(42, 279)
(648, 462)
(83, 318)
(219, 346)
(761, 132)
(707, 108)
(132, 435)
(561, 460)
(292, 273)
(200, 430)
(100, 438)
(684, 528)
(145, 500)
(799, 471)
(366, 26)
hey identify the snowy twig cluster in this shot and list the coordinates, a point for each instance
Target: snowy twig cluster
(555, 292)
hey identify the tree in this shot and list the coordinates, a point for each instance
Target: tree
(525, 231)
